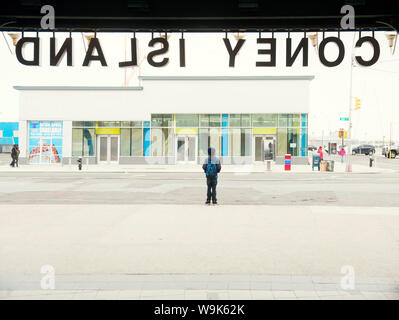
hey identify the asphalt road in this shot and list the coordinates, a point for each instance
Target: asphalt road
(341, 189)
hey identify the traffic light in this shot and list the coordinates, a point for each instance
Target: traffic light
(357, 103)
(342, 133)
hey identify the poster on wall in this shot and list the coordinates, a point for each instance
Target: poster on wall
(45, 141)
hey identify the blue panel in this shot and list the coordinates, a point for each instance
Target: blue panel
(147, 141)
(45, 141)
(225, 142)
(225, 120)
(8, 129)
(147, 124)
(57, 142)
(8, 141)
(304, 120)
(225, 135)
(304, 142)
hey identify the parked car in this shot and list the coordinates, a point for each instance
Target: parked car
(363, 149)
(312, 148)
(393, 150)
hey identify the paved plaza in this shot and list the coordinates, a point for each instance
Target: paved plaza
(148, 235)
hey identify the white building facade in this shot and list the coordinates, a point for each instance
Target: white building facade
(167, 120)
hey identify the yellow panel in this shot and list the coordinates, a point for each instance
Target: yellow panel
(186, 130)
(264, 130)
(108, 130)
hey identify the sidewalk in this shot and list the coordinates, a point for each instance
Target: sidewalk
(218, 252)
(238, 169)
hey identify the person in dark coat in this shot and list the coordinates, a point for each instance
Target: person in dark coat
(211, 168)
(14, 156)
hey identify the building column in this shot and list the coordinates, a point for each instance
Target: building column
(66, 141)
(23, 139)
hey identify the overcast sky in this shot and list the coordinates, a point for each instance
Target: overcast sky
(376, 86)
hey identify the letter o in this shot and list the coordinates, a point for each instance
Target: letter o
(376, 54)
(341, 53)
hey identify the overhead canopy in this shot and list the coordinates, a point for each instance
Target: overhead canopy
(197, 16)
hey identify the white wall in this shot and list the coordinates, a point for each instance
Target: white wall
(23, 138)
(77, 105)
(225, 96)
(67, 139)
(167, 95)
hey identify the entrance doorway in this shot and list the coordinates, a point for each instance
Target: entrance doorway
(186, 149)
(264, 147)
(108, 149)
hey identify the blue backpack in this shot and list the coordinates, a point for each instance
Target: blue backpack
(211, 170)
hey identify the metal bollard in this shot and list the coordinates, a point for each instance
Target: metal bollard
(268, 165)
(80, 163)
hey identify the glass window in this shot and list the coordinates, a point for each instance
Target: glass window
(215, 140)
(187, 120)
(246, 142)
(246, 121)
(235, 142)
(283, 120)
(264, 120)
(235, 120)
(281, 141)
(79, 124)
(77, 142)
(156, 142)
(162, 142)
(203, 142)
(167, 120)
(294, 120)
(131, 142)
(210, 120)
(204, 120)
(168, 142)
(214, 120)
(293, 142)
(89, 139)
(128, 124)
(108, 124)
(125, 142)
(137, 142)
(83, 124)
(156, 120)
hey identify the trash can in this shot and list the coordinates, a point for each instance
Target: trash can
(268, 165)
(330, 165)
(316, 161)
(323, 165)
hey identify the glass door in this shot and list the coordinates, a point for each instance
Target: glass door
(108, 149)
(259, 148)
(186, 149)
(269, 146)
(264, 148)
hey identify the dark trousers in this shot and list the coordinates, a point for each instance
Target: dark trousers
(14, 162)
(211, 183)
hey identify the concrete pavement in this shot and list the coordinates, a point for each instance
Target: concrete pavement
(189, 252)
(238, 169)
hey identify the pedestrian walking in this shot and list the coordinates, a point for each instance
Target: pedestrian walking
(211, 168)
(342, 153)
(320, 152)
(14, 156)
(371, 158)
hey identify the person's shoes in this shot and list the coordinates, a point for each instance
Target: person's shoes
(208, 202)
(214, 202)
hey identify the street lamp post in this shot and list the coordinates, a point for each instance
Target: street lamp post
(348, 163)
